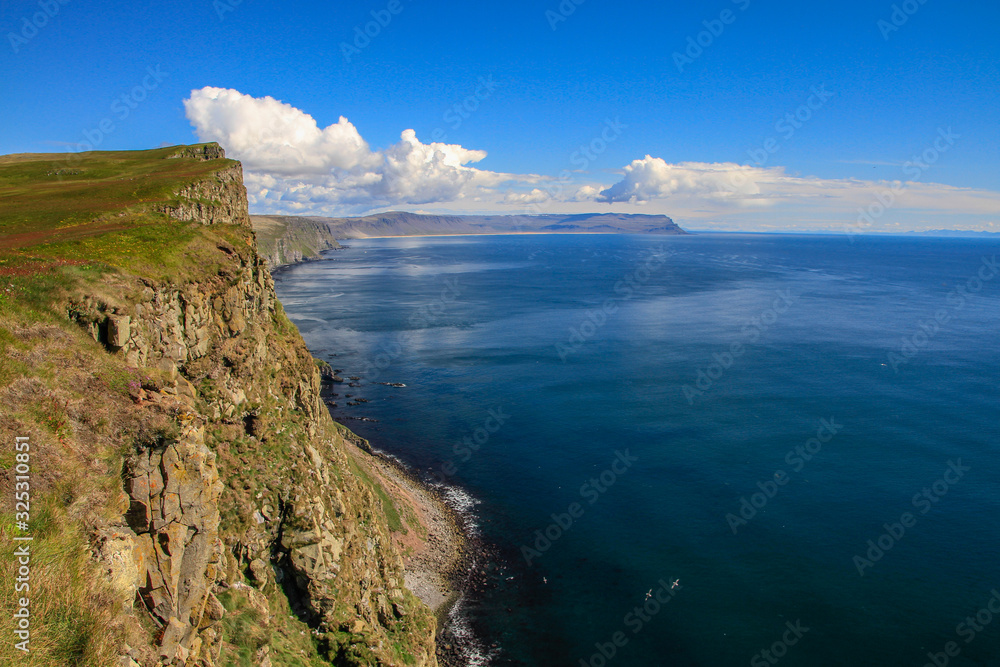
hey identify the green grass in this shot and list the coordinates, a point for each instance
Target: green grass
(75, 618)
(55, 193)
(292, 641)
(243, 627)
(91, 227)
(100, 211)
(78, 239)
(388, 506)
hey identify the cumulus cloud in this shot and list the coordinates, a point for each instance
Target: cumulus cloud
(586, 193)
(654, 178)
(714, 189)
(292, 165)
(536, 196)
(272, 136)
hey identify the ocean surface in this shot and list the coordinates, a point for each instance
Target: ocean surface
(802, 430)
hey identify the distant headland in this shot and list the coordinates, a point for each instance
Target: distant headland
(401, 223)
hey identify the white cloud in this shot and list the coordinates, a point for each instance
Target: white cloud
(654, 178)
(765, 197)
(272, 136)
(293, 166)
(536, 196)
(586, 193)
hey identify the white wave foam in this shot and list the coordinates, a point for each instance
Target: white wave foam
(462, 503)
(457, 499)
(303, 318)
(385, 454)
(472, 649)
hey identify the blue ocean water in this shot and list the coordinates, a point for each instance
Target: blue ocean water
(742, 413)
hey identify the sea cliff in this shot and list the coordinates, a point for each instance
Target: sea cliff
(193, 503)
(284, 240)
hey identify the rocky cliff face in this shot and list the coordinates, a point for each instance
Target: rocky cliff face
(248, 501)
(283, 240)
(221, 199)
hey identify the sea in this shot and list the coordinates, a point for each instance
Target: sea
(704, 450)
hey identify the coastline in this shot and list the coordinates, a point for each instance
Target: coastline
(439, 555)
(441, 552)
(510, 233)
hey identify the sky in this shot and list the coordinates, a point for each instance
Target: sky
(866, 116)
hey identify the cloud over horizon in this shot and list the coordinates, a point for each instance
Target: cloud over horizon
(652, 178)
(293, 166)
(721, 188)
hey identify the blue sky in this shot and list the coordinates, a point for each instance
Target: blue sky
(557, 77)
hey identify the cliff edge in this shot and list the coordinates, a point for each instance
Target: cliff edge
(192, 501)
(284, 240)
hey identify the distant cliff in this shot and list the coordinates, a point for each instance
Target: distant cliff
(400, 223)
(284, 240)
(192, 501)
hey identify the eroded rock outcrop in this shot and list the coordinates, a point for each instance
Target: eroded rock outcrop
(218, 200)
(253, 495)
(174, 494)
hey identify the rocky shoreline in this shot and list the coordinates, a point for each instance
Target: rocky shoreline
(439, 565)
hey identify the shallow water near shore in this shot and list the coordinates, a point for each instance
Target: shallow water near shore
(741, 412)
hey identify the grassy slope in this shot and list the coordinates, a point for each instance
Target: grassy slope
(98, 208)
(89, 226)
(70, 225)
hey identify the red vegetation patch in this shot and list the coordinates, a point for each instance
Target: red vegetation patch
(65, 234)
(33, 268)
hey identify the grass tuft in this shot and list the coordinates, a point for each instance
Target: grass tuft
(76, 618)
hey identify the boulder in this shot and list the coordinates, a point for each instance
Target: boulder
(119, 330)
